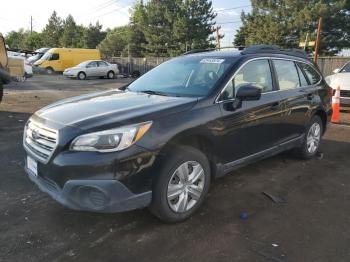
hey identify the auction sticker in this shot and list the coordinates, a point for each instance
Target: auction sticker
(212, 61)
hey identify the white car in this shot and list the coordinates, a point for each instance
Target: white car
(92, 68)
(341, 77)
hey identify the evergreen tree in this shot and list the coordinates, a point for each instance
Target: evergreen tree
(53, 31)
(171, 27)
(70, 35)
(93, 35)
(115, 43)
(286, 22)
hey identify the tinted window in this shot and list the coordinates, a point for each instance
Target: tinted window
(346, 68)
(311, 73)
(102, 63)
(256, 73)
(302, 78)
(287, 74)
(92, 64)
(55, 57)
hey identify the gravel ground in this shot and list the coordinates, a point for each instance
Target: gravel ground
(313, 224)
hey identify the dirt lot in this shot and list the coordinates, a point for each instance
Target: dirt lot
(314, 224)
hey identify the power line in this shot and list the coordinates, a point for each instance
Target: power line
(232, 8)
(230, 22)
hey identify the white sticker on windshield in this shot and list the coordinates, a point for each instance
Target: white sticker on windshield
(212, 61)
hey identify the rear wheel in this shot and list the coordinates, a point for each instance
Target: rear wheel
(312, 139)
(110, 75)
(182, 184)
(81, 76)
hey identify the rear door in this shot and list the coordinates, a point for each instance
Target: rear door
(102, 68)
(297, 95)
(255, 126)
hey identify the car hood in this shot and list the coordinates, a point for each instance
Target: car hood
(113, 108)
(339, 79)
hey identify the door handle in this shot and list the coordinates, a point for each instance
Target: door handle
(310, 96)
(276, 106)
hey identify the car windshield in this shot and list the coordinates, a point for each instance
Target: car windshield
(185, 76)
(35, 57)
(46, 56)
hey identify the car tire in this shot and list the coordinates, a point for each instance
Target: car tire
(312, 139)
(110, 75)
(49, 71)
(81, 76)
(188, 193)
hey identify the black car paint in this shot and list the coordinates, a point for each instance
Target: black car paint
(255, 130)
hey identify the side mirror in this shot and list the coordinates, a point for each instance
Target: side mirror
(248, 93)
(337, 70)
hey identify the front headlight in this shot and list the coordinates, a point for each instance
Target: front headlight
(110, 140)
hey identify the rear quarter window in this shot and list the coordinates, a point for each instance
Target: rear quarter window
(311, 73)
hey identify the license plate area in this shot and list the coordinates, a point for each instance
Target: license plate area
(32, 165)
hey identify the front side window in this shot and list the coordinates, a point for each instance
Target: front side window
(287, 74)
(256, 73)
(92, 65)
(311, 73)
(185, 76)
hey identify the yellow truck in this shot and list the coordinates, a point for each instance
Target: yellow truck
(58, 59)
(4, 75)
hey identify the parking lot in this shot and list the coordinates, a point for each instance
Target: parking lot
(311, 225)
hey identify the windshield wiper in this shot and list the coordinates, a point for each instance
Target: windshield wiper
(152, 92)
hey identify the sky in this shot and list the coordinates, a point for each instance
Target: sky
(110, 13)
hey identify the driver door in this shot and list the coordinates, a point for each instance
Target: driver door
(255, 125)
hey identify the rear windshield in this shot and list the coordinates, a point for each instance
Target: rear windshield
(185, 76)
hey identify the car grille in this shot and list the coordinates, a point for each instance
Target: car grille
(40, 140)
(344, 93)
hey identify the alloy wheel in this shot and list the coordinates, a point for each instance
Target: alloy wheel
(313, 138)
(186, 186)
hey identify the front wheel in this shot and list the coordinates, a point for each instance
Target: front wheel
(182, 184)
(49, 71)
(312, 139)
(81, 76)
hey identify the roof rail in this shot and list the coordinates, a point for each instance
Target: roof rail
(273, 49)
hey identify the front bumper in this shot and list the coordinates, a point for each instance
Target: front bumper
(105, 196)
(70, 75)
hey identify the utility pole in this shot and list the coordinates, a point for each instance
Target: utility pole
(31, 24)
(318, 38)
(217, 38)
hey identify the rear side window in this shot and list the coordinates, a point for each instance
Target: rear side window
(311, 73)
(287, 74)
(302, 78)
(102, 64)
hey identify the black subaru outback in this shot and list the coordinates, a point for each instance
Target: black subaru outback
(161, 140)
